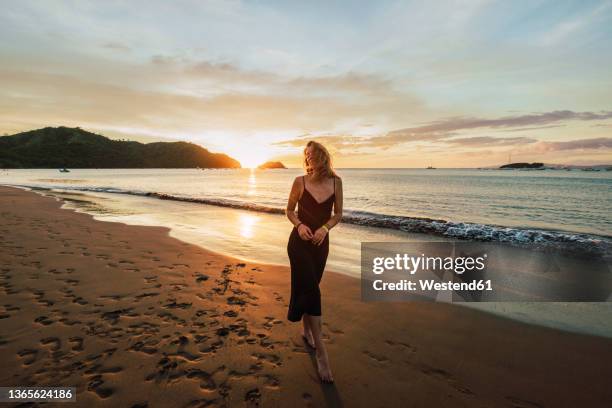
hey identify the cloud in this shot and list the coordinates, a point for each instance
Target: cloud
(597, 143)
(482, 141)
(461, 123)
(442, 130)
(347, 144)
(525, 129)
(336, 142)
(114, 45)
(570, 27)
(231, 74)
(37, 99)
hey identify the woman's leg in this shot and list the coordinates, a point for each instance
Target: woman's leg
(307, 332)
(322, 359)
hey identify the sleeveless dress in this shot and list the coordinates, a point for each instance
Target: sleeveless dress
(307, 259)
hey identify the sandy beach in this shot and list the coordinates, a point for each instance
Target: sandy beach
(132, 317)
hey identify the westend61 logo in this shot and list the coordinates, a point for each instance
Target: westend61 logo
(479, 272)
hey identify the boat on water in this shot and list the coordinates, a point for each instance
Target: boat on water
(64, 170)
(430, 168)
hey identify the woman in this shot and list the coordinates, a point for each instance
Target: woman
(316, 192)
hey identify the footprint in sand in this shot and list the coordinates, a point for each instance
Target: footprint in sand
(333, 329)
(401, 345)
(45, 302)
(5, 311)
(147, 294)
(271, 381)
(211, 348)
(77, 343)
(69, 322)
(376, 357)
(174, 305)
(103, 370)
(235, 300)
(299, 346)
(521, 403)
(95, 385)
(240, 328)
(165, 369)
(271, 321)
(181, 265)
(200, 277)
(273, 359)
(183, 341)
(447, 377)
(28, 355)
(206, 379)
(44, 320)
(307, 399)
(54, 343)
(72, 282)
(253, 398)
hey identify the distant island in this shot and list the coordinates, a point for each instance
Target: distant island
(522, 166)
(549, 166)
(59, 147)
(272, 165)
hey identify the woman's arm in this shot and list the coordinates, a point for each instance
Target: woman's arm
(294, 196)
(296, 190)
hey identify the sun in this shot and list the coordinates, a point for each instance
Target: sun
(248, 155)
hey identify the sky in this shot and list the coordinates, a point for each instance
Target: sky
(381, 84)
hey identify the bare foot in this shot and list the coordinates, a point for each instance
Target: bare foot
(323, 366)
(309, 340)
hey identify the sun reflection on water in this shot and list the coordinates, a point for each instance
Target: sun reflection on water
(252, 189)
(247, 225)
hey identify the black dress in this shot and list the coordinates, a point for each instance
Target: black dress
(307, 259)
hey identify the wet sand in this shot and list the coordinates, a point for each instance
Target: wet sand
(132, 317)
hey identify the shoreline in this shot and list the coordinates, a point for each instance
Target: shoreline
(253, 238)
(187, 324)
(579, 241)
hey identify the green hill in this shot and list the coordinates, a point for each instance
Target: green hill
(76, 148)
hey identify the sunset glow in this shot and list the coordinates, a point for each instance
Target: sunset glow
(249, 156)
(382, 84)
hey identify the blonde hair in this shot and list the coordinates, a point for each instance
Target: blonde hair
(323, 157)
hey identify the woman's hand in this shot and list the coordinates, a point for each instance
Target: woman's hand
(319, 235)
(304, 232)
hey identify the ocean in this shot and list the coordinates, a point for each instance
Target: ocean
(239, 212)
(551, 207)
